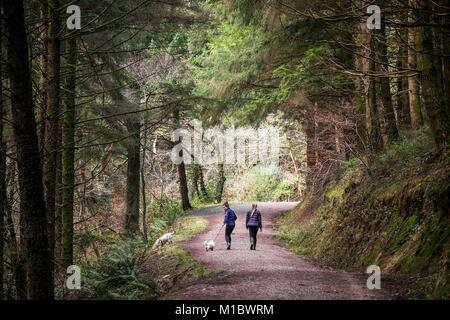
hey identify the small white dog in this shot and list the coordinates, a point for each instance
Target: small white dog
(209, 245)
(163, 240)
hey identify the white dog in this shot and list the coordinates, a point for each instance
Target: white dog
(163, 240)
(209, 245)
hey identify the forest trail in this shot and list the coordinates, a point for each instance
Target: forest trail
(270, 272)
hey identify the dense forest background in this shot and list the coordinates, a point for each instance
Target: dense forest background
(87, 116)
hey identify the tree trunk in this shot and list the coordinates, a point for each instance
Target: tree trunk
(339, 146)
(390, 128)
(430, 69)
(68, 161)
(220, 182)
(201, 179)
(182, 173)
(359, 102)
(183, 185)
(133, 179)
(58, 201)
(446, 59)
(17, 254)
(196, 190)
(32, 205)
(403, 117)
(42, 108)
(2, 159)
(372, 117)
(413, 88)
(144, 200)
(52, 126)
(18, 261)
(311, 156)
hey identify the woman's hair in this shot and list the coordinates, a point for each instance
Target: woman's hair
(254, 205)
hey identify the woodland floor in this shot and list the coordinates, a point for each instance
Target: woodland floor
(269, 272)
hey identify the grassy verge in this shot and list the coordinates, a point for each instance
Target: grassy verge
(172, 266)
(188, 227)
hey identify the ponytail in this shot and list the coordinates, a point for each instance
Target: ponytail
(253, 209)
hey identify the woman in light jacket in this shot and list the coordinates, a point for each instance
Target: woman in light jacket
(253, 222)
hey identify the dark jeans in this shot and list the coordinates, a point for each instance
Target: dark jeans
(253, 232)
(228, 231)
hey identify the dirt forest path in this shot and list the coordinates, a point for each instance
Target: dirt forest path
(269, 272)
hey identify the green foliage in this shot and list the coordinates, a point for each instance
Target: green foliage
(116, 274)
(393, 217)
(262, 183)
(179, 44)
(90, 236)
(351, 165)
(257, 184)
(415, 146)
(200, 202)
(293, 239)
(165, 212)
(286, 190)
(252, 65)
(229, 59)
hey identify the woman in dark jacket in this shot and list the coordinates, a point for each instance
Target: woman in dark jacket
(229, 221)
(253, 222)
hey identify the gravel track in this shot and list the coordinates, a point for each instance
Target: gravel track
(269, 272)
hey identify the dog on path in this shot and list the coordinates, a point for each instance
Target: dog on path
(209, 245)
(163, 240)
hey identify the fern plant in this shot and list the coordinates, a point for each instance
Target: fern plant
(116, 274)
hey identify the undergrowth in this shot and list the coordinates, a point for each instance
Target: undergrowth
(395, 217)
(263, 183)
(129, 269)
